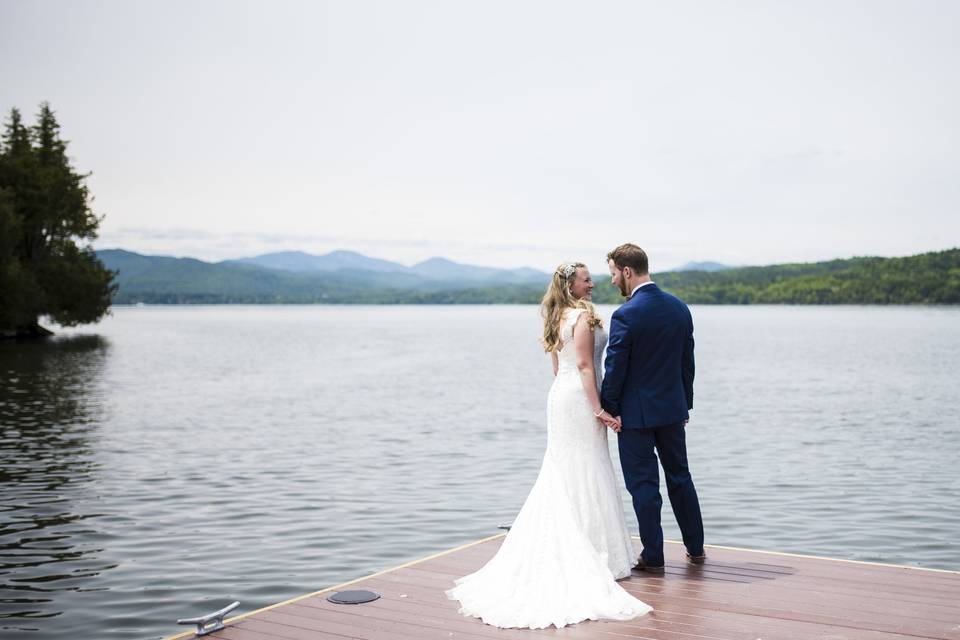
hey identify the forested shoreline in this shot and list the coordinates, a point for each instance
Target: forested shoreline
(929, 278)
(47, 265)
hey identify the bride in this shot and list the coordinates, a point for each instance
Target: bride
(559, 563)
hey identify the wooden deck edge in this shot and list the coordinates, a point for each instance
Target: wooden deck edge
(813, 557)
(190, 634)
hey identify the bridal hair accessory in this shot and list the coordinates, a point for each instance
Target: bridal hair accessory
(567, 270)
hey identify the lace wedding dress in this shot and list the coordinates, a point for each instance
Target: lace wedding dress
(569, 543)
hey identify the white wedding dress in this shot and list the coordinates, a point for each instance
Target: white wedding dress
(569, 543)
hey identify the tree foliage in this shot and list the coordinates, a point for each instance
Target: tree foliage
(47, 266)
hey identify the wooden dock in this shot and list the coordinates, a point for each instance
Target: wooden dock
(737, 594)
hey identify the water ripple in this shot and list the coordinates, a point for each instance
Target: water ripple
(186, 457)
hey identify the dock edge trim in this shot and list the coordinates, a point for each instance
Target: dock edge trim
(190, 634)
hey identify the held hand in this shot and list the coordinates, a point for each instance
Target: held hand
(619, 421)
(609, 422)
(605, 419)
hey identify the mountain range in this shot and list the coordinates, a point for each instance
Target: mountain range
(348, 277)
(297, 277)
(433, 268)
(336, 277)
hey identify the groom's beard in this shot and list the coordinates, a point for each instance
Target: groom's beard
(623, 289)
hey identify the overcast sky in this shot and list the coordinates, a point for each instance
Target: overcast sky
(504, 133)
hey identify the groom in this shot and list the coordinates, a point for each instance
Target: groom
(648, 386)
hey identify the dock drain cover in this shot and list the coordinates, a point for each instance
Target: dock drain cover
(353, 597)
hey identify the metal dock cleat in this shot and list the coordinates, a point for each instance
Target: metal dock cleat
(210, 622)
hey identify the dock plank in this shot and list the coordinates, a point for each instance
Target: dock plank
(738, 594)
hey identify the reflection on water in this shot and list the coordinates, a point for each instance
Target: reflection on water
(49, 408)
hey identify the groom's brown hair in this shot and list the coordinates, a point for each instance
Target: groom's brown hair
(630, 255)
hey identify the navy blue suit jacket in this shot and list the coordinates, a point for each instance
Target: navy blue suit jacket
(648, 378)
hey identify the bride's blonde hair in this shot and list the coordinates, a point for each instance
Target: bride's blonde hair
(558, 299)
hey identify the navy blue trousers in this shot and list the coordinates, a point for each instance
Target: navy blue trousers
(639, 462)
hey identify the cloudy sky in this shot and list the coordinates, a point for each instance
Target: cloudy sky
(504, 133)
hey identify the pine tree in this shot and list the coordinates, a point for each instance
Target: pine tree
(47, 266)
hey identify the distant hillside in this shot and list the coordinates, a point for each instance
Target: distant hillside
(930, 278)
(294, 277)
(333, 261)
(441, 268)
(432, 269)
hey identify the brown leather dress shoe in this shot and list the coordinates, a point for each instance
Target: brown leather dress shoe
(643, 566)
(696, 559)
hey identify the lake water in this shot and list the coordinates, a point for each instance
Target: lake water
(172, 459)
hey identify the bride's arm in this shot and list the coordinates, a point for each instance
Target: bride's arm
(556, 362)
(583, 345)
